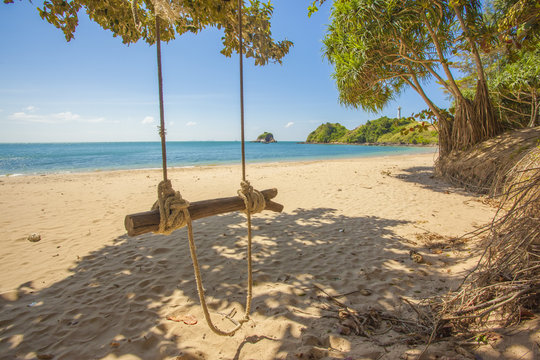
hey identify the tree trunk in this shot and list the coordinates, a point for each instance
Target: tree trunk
(486, 121)
(445, 135)
(483, 123)
(450, 85)
(445, 124)
(463, 127)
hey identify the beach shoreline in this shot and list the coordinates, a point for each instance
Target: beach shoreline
(86, 290)
(270, 162)
(67, 158)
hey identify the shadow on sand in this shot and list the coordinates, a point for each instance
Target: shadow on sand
(113, 303)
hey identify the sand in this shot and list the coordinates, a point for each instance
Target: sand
(88, 291)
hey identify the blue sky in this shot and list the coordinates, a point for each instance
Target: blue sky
(95, 88)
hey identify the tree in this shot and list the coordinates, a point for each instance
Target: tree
(178, 17)
(515, 74)
(511, 56)
(378, 47)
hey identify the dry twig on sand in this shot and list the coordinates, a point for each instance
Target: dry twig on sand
(375, 322)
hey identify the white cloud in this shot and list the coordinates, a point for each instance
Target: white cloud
(61, 117)
(191, 123)
(148, 120)
(30, 108)
(17, 115)
(26, 117)
(95, 120)
(66, 116)
(289, 124)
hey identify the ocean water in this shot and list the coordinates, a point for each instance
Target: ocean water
(23, 159)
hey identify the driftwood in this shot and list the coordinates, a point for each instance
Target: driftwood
(148, 221)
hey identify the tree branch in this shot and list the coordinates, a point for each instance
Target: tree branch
(452, 83)
(474, 49)
(514, 111)
(418, 88)
(428, 68)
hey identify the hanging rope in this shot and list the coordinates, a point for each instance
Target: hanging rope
(174, 214)
(161, 110)
(138, 24)
(241, 63)
(173, 209)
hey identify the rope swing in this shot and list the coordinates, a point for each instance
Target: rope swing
(174, 212)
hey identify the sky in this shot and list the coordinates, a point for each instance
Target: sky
(94, 88)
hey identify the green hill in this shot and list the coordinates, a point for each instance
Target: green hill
(327, 133)
(382, 130)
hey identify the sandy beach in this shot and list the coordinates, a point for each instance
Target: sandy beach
(88, 291)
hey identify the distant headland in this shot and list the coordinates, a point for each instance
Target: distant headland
(382, 131)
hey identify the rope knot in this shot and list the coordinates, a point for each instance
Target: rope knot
(173, 209)
(253, 199)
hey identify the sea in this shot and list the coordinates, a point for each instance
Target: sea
(48, 158)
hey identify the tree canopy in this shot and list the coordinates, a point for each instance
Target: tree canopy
(377, 47)
(178, 17)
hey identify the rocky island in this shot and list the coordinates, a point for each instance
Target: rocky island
(266, 138)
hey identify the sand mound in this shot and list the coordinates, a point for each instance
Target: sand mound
(486, 164)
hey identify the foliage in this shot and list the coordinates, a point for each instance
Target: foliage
(187, 16)
(379, 46)
(515, 73)
(314, 7)
(364, 43)
(327, 133)
(516, 87)
(521, 74)
(517, 22)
